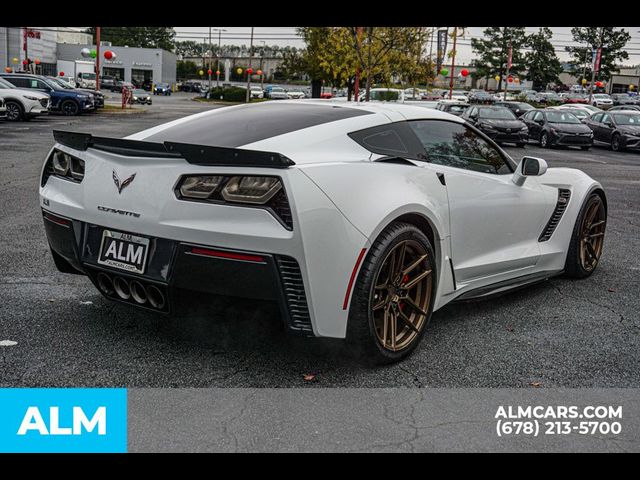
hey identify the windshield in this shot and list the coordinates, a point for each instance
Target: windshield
(524, 106)
(600, 95)
(139, 91)
(62, 83)
(52, 84)
(578, 113)
(627, 119)
(497, 113)
(88, 76)
(562, 117)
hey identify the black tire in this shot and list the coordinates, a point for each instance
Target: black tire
(361, 333)
(585, 148)
(544, 140)
(70, 108)
(521, 144)
(573, 267)
(616, 143)
(15, 111)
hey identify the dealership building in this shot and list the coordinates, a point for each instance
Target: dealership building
(50, 45)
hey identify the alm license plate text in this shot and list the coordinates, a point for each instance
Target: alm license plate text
(124, 251)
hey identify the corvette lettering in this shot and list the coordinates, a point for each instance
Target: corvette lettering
(118, 211)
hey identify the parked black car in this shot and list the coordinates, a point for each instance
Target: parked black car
(140, 95)
(498, 123)
(619, 129)
(557, 127)
(120, 84)
(455, 108)
(518, 108)
(162, 89)
(191, 87)
(480, 96)
(625, 108)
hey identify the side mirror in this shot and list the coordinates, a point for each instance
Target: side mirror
(529, 167)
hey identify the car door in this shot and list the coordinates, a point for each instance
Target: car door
(494, 223)
(606, 128)
(527, 118)
(593, 123)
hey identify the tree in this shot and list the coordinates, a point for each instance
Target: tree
(543, 65)
(143, 37)
(186, 69)
(611, 40)
(190, 48)
(492, 52)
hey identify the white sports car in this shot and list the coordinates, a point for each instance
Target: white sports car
(360, 219)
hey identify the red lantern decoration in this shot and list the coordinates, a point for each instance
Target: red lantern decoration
(8, 69)
(61, 74)
(599, 84)
(37, 61)
(249, 70)
(209, 72)
(464, 72)
(108, 54)
(510, 79)
(259, 72)
(25, 62)
(218, 72)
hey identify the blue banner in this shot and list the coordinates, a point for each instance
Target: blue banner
(63, 420)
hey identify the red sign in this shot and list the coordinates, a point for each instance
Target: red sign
(598, 57)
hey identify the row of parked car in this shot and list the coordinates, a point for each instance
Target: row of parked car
(26, 96)
(576, 125)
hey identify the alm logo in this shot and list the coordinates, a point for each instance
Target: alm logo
(63, 420)
(33, 421)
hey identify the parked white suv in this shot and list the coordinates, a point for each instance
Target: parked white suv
(23, 104)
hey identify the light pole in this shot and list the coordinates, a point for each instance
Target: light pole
(249, 70)
(261, 61)
(210, 53)
(219, 30)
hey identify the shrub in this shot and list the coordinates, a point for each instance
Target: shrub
(229, 94)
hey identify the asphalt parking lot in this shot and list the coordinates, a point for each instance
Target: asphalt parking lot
(560, 333)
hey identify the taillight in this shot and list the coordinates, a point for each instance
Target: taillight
(260, 191)
(63, 165)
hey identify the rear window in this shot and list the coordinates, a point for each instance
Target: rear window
(251, 123)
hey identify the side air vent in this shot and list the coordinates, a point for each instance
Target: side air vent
(561, 206)
(295, 297)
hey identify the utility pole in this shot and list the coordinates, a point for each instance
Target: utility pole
(249, 70)
(453, 61)
(261, 61)
(593, 65)
(433, 30)
(210, 53)
(219, 30)
(97, 58)
(24, 46)
(506, 79)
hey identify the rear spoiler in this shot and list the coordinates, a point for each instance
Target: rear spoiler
(194, 154)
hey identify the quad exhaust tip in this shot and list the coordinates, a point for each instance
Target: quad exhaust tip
(131, 290)
(155, 297)
(138, 292)
(122, 288)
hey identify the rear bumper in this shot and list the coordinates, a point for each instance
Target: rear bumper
(175, 268)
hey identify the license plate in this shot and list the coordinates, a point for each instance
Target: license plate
(124, 251)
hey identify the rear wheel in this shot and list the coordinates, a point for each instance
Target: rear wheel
(393, 297)
(587, 241)
(15, 112)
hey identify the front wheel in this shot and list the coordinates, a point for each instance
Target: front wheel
(616, 143)
(393, 298)
(70, 108)
(587, 240)
(15, 112)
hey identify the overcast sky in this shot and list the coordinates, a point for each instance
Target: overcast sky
(287, 36)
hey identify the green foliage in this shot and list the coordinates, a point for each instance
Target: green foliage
(613, 42)
(142, 37)
(228, 94)
(186, 69)
(542, 62)
(492, 52)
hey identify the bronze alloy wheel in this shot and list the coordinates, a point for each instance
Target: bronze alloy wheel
(592, 235)
(401, 295)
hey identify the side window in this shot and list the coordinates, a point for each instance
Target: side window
(597, 117)
(41, 85)
(606, 118)
(393, 139)
(538, 117)
(388, 140)
(455, 145)
(19, 82)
